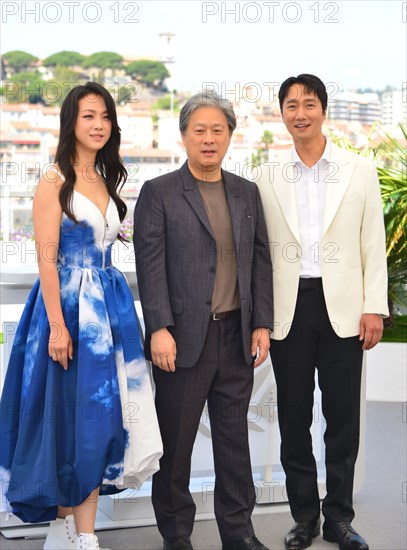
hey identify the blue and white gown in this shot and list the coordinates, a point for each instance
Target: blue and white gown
(65, 433)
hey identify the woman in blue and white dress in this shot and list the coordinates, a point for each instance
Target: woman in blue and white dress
(77, 411)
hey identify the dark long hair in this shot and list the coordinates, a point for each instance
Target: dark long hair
(108, 162)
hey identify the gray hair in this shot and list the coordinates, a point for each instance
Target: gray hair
(207, 99)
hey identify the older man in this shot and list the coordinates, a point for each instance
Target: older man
(205, 282)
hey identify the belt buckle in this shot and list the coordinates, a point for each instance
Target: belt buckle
(215, 317)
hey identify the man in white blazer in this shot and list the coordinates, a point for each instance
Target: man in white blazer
(325, 225)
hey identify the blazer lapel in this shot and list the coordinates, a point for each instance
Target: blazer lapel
(234, 197)
(338, 183)
(284, 187)
(193, 196)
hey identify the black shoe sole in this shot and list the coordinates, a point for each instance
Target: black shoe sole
(330, 537)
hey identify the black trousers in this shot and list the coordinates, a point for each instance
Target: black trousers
(223, 378)
(312, 343)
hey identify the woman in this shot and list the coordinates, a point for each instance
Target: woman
(78, 417)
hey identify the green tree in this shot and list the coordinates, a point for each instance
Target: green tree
(58, 88)
(390, 157)
(150, 73)
(66, 74)
(19, 60)
(164, 103)
(267, 138)
(103, 60)
(64, 59)
(262, 152)
(24, 87)
(392, 170)
(127, 94)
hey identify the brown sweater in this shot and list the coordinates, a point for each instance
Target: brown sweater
(226, 291)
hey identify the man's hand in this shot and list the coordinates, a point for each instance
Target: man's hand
(163, 350)
(260, 342)
(371, 330)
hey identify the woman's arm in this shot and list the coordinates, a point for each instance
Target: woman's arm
(47, 215)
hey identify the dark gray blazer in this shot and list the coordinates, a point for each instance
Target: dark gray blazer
(176, 259)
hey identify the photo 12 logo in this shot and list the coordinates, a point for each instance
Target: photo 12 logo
(52, 92)
(71, 12)
(270, 12)
(252, 92)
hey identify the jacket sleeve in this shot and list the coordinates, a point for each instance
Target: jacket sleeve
(262, 273)
(149, 241)
(373, 248)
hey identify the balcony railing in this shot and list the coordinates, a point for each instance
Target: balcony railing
(16, 214)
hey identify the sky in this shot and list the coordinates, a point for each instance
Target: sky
(350, 44)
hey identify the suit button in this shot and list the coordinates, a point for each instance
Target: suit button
(212, 269)
(208, 302)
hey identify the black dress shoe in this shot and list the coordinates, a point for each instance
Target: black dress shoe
(178, 543)
(343, 533)
(301, 534)
(252, 543)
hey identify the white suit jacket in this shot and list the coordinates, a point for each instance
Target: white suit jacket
(352, 249)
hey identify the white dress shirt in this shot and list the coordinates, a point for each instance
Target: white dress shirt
(310, 189)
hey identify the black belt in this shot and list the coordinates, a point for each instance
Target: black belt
(224, 315)
(307, 283)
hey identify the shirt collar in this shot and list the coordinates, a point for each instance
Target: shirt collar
(325, 155)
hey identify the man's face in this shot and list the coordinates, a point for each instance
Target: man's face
(302, 114)
(206, 141)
